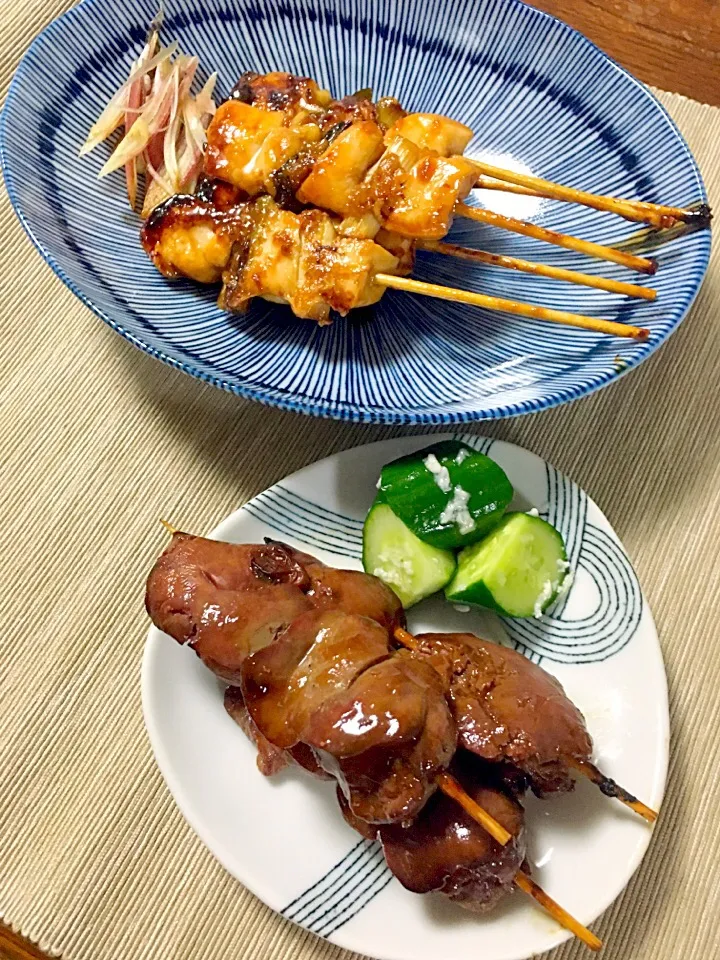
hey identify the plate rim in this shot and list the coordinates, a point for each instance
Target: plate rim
(152, 648)
(362, 413)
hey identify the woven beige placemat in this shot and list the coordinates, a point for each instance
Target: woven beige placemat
(98, 441)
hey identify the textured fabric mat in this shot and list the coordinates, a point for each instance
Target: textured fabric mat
(98, 441)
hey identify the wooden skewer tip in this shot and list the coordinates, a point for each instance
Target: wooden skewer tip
(609, 788)
(565, 919)
(169, 527)
(596, 324)
(656, 215)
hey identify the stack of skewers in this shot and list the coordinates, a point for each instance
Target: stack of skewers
(432, 740)
(322, 204)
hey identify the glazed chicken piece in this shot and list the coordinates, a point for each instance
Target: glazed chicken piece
(418, 188)
(432, 132)
(302, 260)
(188, 236)
(308, 261)
(280, 91)
(446, 851)
(226, 600)
(376, 719)
(267, 137)
(270, 759)
(246, 144)
(411, 189)
(424, 206)
(509, 710)
(282, 136)
(336, 178)
(287, 179)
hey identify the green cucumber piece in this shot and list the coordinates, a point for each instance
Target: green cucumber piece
(448, 494)
(392, 552)
(517, 570)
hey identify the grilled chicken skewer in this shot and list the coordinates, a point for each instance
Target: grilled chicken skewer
(509, 710)
(308, 260)
(195, 572)
(327, 691)
(410, 176)
(177, 215)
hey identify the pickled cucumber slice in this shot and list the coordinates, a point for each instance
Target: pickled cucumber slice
(392, 552)
(517, 570)
(448, 494)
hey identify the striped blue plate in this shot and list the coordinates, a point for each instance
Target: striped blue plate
(537, 93)
(285, 839)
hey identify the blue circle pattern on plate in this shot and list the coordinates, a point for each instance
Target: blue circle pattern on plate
(345, 890)
(615, 619)
(541, 93)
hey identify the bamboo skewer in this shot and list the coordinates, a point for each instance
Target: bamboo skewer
(590, 249)
(585, 767)
(596, 324)
(565, 919)
(697, 217)
(490, 183)
(614, 790)
(628, 209)
(450, 786)
(657, 215)
(538, 269)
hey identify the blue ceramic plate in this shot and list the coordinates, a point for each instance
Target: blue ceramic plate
(536, 93)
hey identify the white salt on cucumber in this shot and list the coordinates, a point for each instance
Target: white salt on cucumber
(392, 552)
(518, 570)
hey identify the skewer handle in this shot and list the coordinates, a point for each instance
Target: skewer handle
(595, 324)
(523, 881)
(638, 211)
(612, 789)
(597, 250)
(539, 269)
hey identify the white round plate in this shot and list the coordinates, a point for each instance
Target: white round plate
(284, 838)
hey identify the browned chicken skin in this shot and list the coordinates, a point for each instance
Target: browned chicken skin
(189, 236)
(376, 719)
(279, 91)
(227, 600)
(509, 710)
